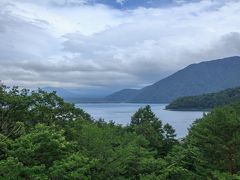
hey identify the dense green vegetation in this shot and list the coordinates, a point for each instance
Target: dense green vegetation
(42, 137)
(206, 101)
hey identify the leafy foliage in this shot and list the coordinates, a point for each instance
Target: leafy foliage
(217, 136)
(161, 139)
(18, 106)
(42, 137)
(75, 166)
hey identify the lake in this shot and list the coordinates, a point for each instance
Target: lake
(121, 113)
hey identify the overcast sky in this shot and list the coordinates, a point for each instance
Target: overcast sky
(106, 45)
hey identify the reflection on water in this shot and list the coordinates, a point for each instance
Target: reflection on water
(121, 113)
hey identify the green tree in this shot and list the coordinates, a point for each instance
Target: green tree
(144, 122)
(217, 136)
(20, 108)
(42, 146)
(76, 166)
(14, 105)
(169, 138)
(11, 168)
(5, 145)
(49, 108)
(184, 162)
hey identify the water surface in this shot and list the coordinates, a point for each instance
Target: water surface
(121, 113)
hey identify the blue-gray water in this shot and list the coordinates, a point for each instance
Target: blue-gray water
(121, 113)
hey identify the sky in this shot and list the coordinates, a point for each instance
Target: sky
(100, 46)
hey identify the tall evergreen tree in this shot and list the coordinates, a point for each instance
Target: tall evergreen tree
(217, 136)
(144, 122)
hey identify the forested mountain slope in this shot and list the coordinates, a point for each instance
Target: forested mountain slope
(206, 101)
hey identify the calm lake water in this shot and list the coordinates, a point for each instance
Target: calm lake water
(121, 113)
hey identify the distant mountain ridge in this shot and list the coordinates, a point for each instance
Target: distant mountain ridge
(122, 96)
(195, 79)
(66, 94)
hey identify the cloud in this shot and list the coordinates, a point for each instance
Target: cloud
(68, 43)
(120, 1)
(55, 2)
(156, 42)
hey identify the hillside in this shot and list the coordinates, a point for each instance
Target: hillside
(195, 79)
(64, 93)
(122, 96)
(206, 101)
(76, 95)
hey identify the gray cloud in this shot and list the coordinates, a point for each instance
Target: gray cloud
(55, 2)
(119, 49)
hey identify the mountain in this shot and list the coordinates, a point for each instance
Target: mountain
(206, 101)
(195, 79)
(122, 96)
(75, 95)
(66, 94)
